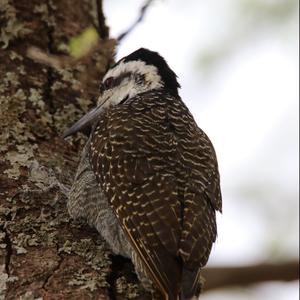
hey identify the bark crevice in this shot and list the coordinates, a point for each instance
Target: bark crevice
(9, 250)
(50, 73)
(53, 271)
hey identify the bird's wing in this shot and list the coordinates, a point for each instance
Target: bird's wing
(128, 154)
(201, 194)
(143, 157)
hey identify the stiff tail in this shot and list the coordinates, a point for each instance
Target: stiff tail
(190, 284)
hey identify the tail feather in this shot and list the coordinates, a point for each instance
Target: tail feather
(190, 284)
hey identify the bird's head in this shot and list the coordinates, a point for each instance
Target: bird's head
(139, 72)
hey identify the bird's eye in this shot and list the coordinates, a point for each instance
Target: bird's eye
(108, 83)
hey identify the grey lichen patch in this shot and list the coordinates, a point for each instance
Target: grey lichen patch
(33, 240)
(18, 137)
(43, 11)
(19, 101)
(97, 256)
(37, 229)
(41, 8)
(21, 70)
(23, 240)
(85, 104)
(63, 48)
(80, 67)
(20, 250)
(129, 290)
(2, 241)
(66, 116)
(99, 260)
(105, 56)
(66, 247)
(58, 85)
(13, 172)
(11, 27)
(5, 212)
(23, 157)
(88, 280)
(3, 281)
(12, 278)
(44, 178)
(29, 295)
(11, 110)
(40, 238)
(40, 228)
(15, 56)
(67, 76)
(36, 98)
(40, 126)
(11, 79)
(3, 138)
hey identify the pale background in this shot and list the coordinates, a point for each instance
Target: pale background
(237, 62)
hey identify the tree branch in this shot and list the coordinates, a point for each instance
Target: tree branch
(140, 18)
(220, 277)
(102, 28)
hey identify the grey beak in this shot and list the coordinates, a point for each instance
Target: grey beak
(87, 120)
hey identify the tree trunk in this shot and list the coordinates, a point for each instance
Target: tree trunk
(42, 252)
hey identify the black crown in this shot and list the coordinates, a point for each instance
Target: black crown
(153, 58)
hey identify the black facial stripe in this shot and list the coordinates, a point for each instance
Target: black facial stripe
(116, 81)
(120, 78)
(139, 78)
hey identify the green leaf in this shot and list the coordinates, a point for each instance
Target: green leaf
(81, 44)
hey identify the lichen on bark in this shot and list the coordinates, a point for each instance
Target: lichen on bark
(43, 253)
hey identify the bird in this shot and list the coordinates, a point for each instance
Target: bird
(148, 178)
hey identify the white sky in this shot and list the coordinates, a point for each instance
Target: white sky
(249, 107)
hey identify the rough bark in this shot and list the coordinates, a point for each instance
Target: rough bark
(42, 252)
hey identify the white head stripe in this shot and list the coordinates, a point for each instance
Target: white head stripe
(149, 71)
